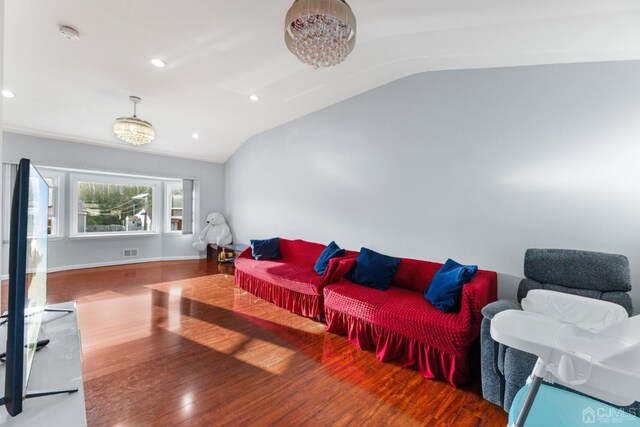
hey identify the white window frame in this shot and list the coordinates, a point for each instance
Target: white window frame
(58, 204)
(168, 185)
(113, 179)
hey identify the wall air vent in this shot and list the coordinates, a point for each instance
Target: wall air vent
(128, 253)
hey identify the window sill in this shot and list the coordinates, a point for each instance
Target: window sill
(112, 235)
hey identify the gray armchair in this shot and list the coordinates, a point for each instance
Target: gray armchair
(589, 274)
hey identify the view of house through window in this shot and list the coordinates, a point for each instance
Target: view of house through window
(175, 205)
(114, 208)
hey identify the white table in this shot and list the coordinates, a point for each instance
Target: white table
(56, 366)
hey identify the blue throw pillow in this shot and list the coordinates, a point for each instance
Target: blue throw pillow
(268, 249)
(445, 290)
(331, 251)
(373, 270)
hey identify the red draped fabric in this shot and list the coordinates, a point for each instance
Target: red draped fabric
(291, 282)
(296, 302)
(400, 324)
(388, 345)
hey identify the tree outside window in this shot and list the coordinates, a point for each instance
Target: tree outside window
(114, 208)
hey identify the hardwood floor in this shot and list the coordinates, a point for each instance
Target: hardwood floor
(176, 343)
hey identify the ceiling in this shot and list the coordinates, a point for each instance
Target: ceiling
(220, 52)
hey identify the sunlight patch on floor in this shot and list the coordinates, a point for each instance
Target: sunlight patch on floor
(117, 320)
(232, 343)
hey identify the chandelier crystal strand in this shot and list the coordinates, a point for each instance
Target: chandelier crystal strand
(132, 129)
(320, 33)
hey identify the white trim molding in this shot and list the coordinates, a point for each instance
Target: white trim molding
(112, 145)
(117, 263)
(125, 262)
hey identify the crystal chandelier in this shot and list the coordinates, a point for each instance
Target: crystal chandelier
(132, 129)
(320, 32)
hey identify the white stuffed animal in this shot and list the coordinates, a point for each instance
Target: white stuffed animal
(216, 232)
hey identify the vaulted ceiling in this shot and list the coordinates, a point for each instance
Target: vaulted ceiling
(220, 52)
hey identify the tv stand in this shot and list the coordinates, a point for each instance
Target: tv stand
(56, 374)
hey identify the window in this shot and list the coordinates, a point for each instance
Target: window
(55, 181)
(94, 203)
(174, 207)
(112, 205)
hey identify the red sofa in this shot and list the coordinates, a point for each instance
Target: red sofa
(290, 282)
(400, 324)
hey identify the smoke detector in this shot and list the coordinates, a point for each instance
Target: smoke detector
(69, 33)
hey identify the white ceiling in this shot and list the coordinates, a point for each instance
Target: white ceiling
(220, 52)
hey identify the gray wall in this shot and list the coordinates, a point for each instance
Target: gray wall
(476, 165)
(107, 250)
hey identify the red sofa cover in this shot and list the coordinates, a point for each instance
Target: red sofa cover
(400, 324)
(290, 282)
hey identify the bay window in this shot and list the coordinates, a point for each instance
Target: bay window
(111, 205)
(94, 203)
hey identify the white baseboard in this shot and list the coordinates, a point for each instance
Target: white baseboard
(118, 262)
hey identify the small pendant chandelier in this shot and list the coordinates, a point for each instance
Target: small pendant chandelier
(321, 33)
(132, 129)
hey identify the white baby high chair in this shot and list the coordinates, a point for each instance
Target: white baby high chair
(587, 345)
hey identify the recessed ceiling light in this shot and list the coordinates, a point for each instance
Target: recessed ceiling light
(69, 33)
(254, 98)
(8, 94)
(195, 135)
(157, 62)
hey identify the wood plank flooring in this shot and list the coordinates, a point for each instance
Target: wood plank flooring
(176, 343)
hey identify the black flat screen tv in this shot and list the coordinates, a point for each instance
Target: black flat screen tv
(27, 280)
